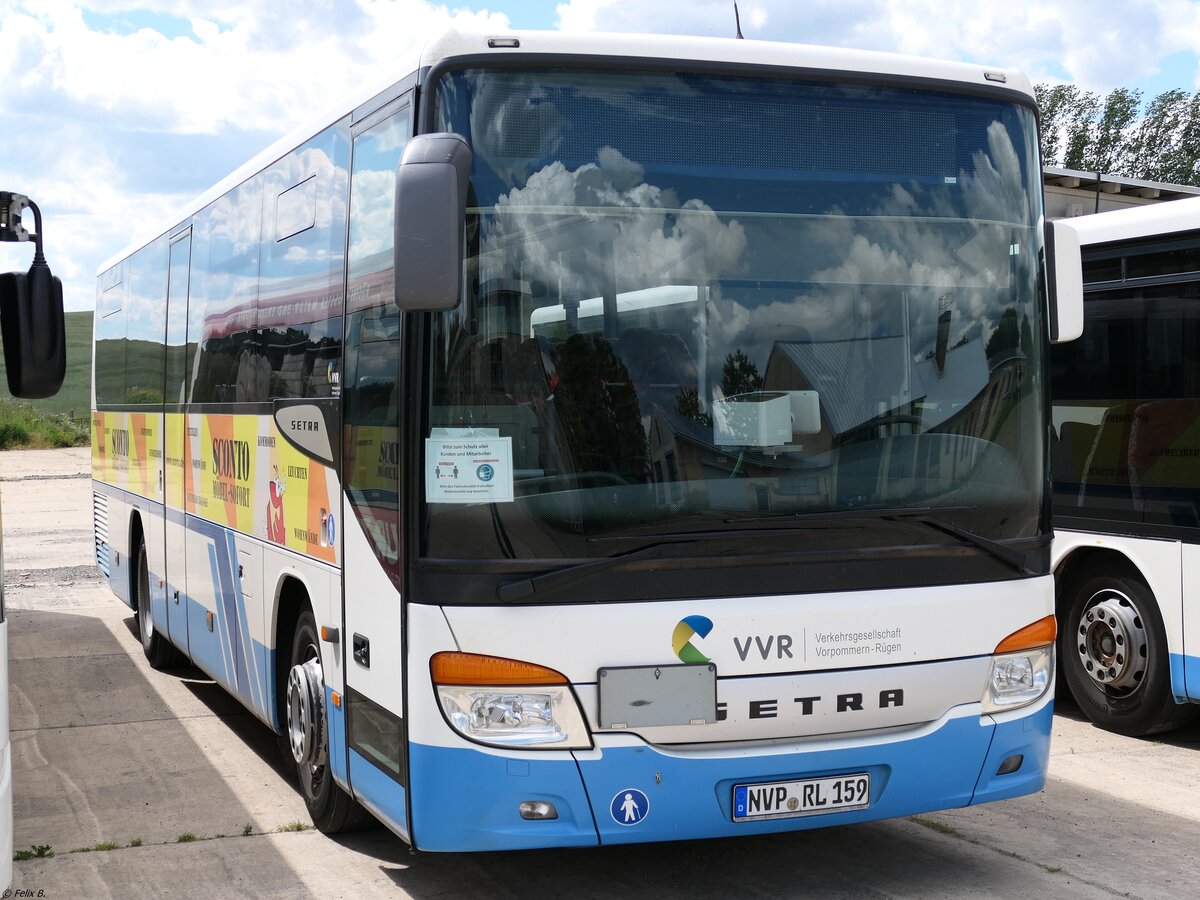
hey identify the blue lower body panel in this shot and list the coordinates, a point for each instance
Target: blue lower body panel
(1185, 677)
(335, 716)
(1028, 738)
(379, 793)
(468, 800)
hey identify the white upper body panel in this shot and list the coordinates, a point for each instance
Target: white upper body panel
(452, 45)
(1138, 222)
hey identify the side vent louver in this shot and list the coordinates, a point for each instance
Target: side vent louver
(100, 517)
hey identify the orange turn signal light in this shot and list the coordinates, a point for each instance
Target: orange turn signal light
(475, 668)
(1038, 634)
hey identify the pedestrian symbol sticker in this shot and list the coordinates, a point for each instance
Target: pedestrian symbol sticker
(629, 807)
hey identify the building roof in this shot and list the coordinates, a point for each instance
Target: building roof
(858, 380)
(1116, 184)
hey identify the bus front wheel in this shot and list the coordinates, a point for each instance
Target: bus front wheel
(307, 736)
(1113, 648)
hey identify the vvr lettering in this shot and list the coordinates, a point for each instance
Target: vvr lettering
(782, 644)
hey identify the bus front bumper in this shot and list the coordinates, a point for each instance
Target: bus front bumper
(467, 800)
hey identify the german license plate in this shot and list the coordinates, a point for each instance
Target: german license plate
(808, 797)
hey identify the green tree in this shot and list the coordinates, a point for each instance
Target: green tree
(740, 375)
(1078, 127)
(1183, 166)
(1109, 136)
(1026, 336)
(1160, 142)
(1156, 140)
(1006, 337)
(1066, 114)
(687, 403)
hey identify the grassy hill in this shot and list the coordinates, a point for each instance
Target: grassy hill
(75, 397)
(61, 420)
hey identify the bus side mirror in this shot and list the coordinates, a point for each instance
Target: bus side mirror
(31, 312)
(430, 215)
(1064, 265)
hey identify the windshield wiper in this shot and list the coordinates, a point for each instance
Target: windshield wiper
(1014, 558)
(523, 587)
(854, 512)
(519, 588)
(683, 537)
(516, 589)
(1006, 554)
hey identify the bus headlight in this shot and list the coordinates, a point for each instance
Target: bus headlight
(508, 703)
(547, 717)
(1022, 668)
(1018, 678)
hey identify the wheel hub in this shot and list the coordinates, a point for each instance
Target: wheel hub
(306, 714)
(1112, 642)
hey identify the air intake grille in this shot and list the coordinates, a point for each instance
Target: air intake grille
(100, 518)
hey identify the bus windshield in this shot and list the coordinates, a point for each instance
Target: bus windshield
(701, 304)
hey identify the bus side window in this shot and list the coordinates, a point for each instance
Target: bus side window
(370, 385)
(110, 338)
(179, 274)
(222, 314)
(303, 254)
(146, 324)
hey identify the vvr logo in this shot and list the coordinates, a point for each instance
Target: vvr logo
(681, 640)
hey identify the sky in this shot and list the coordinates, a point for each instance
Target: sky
(115, 113)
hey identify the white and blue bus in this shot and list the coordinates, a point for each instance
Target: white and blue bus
(34, 337)
(593, 439)
(1126, 411)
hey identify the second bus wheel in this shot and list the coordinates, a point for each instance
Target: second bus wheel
(307, 735)
(158, 649)
(1113, 649)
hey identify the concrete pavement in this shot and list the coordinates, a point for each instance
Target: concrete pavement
(108, 752)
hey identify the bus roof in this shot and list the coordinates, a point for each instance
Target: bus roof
(833, 60)
(452, 44)
(1139, 221)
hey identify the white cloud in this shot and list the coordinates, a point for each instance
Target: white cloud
(258, 66)
(77, 101)
(1099, 46)
(110, 124)
(659, 238)
(87, 212)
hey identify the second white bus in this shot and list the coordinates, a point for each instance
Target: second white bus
(1126, 462)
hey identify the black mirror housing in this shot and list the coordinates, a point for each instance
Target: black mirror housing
(34, 333)
(430, 216)
(31, 310)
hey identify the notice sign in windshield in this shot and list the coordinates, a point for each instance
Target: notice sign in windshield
(469, 468)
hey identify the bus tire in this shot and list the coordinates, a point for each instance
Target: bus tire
(160, 652)
(306, 736)
(1113, 648)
